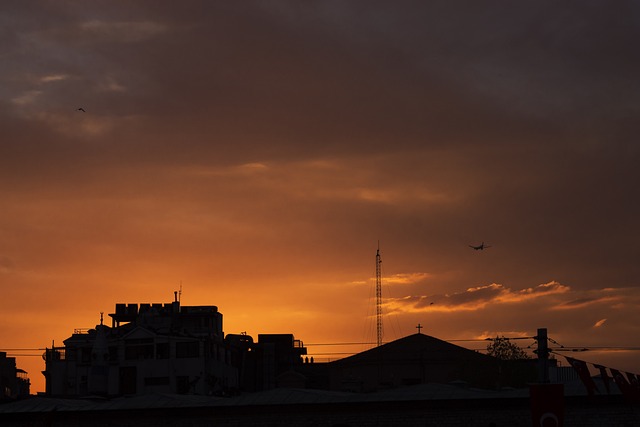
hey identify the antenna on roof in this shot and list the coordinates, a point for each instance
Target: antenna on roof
(379, 330)
(180, 291)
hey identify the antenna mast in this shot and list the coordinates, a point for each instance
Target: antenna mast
(378, 296)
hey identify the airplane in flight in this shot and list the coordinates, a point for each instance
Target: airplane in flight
(480, 247)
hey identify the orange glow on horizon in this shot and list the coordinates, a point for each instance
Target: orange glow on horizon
(262, 179)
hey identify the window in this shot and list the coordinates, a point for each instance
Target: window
(187, 349)
(138, 349)
(162, 350)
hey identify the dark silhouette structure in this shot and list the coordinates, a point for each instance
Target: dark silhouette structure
(415, 359)
(167, 348)
(14, 383)
(148, 348)
(274, 361)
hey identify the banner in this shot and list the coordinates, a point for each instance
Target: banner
(633, 380)
(584, 374)
(605, 377)
(629, 386)
(630, 392)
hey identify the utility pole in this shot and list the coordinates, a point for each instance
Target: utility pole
(543, 356)
(546, 398)
(378, 296)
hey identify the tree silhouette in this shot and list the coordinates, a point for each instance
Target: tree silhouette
(502, 348)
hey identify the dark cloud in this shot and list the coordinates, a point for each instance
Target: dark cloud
(271, 145)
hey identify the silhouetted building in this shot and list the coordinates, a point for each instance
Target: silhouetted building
(278, 361)
(172, 349)
(415, 359)
(269, 363)
(148, 348)
(14, 383)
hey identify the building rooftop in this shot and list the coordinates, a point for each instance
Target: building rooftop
(420, 346)
(279, 396)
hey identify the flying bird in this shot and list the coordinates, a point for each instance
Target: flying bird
(480, 247)
(81, 109)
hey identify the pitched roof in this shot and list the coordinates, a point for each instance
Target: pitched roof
(417, 346)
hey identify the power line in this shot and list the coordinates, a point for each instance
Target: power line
(560, 349)
(453, 340)
(330, 354)
(339, 343)
(23, 355)
(597, 349)
(22, 349)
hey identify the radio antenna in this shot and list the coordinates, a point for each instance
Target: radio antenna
(379, 329)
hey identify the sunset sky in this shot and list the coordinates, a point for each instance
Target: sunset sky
(256, 152)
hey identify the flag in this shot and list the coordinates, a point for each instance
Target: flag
(633, 380)
(627, 389)
(583, 372)
(605, 377)
(620, 381)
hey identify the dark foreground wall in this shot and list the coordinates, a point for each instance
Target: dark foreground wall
(442, 413)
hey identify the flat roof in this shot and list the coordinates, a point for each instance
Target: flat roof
(279, 396)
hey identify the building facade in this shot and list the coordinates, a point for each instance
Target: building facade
(163, 348)
(263, 365)
(14, 383)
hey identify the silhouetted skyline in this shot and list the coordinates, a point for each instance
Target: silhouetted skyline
(257, 152)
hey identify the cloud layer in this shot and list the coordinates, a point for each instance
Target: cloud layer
(258, 152)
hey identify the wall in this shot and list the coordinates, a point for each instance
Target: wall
(450, 413)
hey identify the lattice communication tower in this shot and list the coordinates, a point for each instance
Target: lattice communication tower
(378, 297)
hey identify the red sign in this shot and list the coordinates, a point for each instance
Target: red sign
(547, 405)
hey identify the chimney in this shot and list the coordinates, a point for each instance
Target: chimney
(176, 303)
